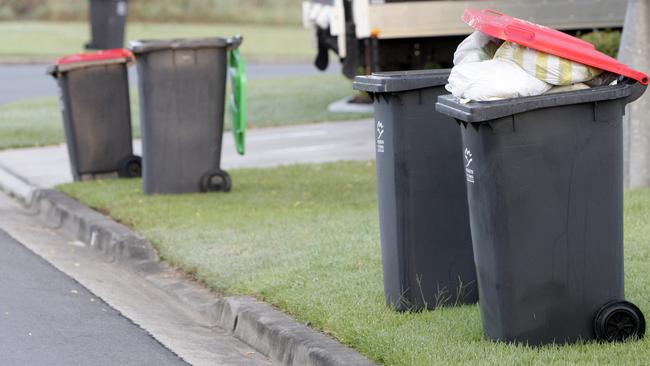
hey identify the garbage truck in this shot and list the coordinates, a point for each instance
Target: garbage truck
(390, 35)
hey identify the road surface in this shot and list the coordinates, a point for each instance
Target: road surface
(30, 81)
(47, 318)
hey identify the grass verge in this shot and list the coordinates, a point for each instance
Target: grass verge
(306, 239)
(37, 40)
(271, 102)
(233, 11)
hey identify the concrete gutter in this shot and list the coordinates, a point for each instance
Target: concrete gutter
(256, 323)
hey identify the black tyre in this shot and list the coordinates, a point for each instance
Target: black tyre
(216, 181)
(618, 321)
(130, 167)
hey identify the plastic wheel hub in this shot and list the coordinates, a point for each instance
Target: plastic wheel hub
(618, 321)
(130, 167)
(215, 181)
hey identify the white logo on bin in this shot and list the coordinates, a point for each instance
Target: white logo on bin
(380, 134)
(469, 173)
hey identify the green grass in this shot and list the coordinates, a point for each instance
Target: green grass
(39, 40)
(239, 11)
(35, 122)
(271, 102)
(306, 239)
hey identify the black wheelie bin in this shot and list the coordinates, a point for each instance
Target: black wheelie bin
(94, 97)
(544, 178)
(424, 224)
(107, 24)
(182, 86)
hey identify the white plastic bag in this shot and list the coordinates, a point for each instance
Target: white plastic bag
(492, 80)
(568, 88)
(477, 47)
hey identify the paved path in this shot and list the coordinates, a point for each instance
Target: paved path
(315, 143)
(47, 318)
(30, 81)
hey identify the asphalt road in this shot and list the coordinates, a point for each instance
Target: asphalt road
(46, 318)
(30, 81)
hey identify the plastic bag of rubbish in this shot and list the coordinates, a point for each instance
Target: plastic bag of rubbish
(477, 47)
(568, 88)
(546, 67)
(492, 80)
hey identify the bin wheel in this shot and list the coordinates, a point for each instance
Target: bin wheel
(618, 321)
(216, 181)
(130, 167)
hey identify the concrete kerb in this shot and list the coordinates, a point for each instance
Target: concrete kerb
(256, 323)
(15, 186)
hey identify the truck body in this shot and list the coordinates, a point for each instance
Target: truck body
(390, 35)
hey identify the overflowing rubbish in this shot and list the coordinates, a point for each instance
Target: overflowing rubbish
(487, 68)
(493, 79)
(508, 57)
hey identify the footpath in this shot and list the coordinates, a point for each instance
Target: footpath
(124, 270)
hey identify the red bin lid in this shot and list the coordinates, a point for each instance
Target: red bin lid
(99, 56)
(547, 40)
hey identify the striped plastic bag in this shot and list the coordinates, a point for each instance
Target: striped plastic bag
(546, 67)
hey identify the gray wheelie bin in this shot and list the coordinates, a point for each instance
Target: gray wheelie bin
(425, 237)
(107, 24)
(182, 98)
(544, 176)
(94, 92)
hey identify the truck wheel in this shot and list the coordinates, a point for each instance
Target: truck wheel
(618, 321)
(130, 167)
(216, 181)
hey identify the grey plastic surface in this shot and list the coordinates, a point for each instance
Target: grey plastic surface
(424, 224)
(97, 117)
(140, 47)
(545, 191)
(484, 111)
(182, 96)
(107, 24)
(396, 81)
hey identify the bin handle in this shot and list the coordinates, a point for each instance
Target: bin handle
(637, 90)
(492, 12)
(237, 101)
(234, 42)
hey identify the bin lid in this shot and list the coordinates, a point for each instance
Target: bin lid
(87, 59)
(396, 81)
(152, 45)
(547, 40)
(96, 57)
(627, 91)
